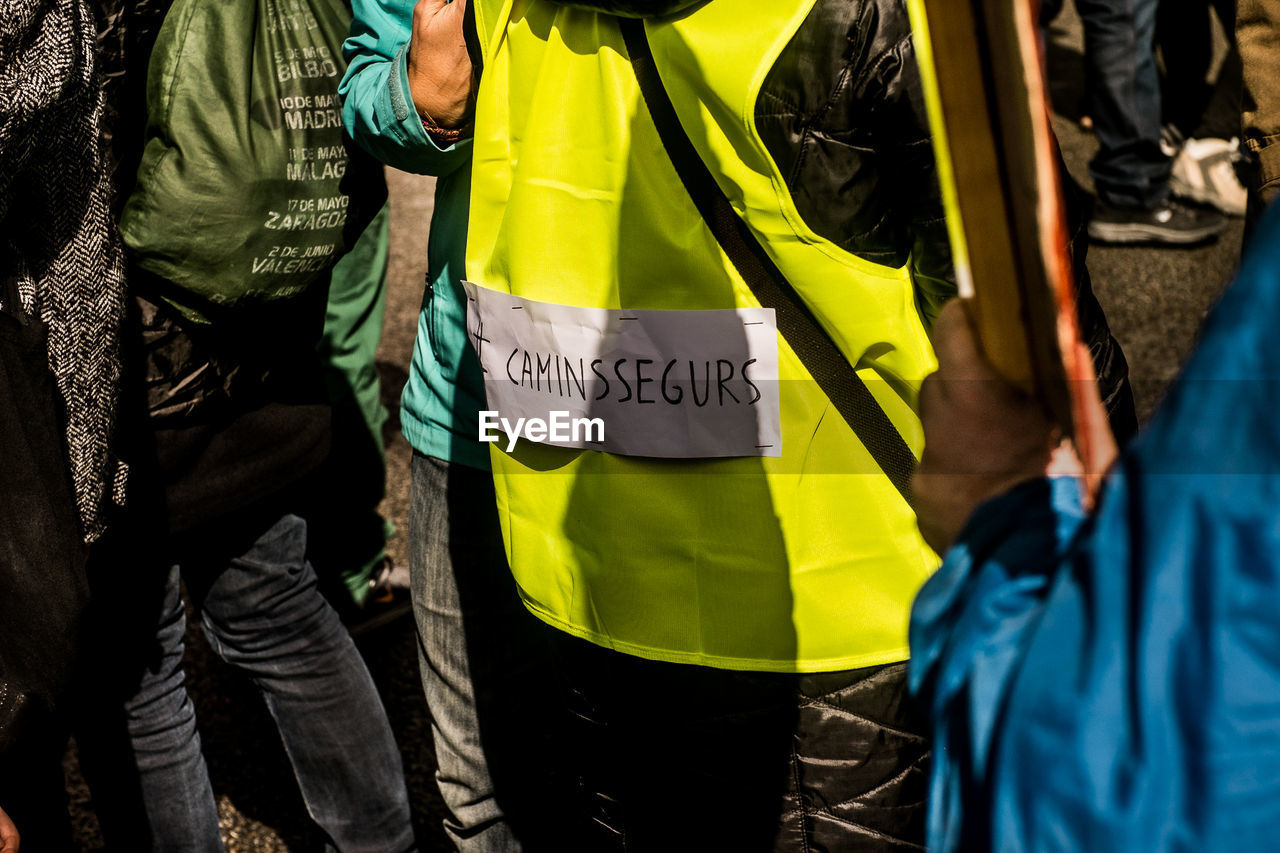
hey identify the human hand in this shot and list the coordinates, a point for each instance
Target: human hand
(8, 834)
(982, 435)
(440, 78)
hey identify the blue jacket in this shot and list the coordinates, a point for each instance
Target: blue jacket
(445, 390)
(1113, 683)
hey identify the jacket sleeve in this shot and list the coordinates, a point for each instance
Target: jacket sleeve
(376, 108)
(1135, 651)
(911, 168)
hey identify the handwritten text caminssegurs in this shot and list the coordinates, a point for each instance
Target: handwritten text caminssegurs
(638, 380)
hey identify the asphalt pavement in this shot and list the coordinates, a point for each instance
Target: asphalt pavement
(1155, 299)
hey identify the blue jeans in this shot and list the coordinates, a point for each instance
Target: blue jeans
(486, 670)
(1123, 84)
(263, 614)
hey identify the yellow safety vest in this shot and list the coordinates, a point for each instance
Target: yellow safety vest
(803, 563)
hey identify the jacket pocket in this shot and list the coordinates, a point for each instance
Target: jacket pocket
(431, 311)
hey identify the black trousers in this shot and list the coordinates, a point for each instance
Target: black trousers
(670, 757)
(43, 591)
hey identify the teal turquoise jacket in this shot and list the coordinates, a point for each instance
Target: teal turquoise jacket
(445, 390)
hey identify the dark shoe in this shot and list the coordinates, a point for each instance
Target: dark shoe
(1173, 223)
(387, 601)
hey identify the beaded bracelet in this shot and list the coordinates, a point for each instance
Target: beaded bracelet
(440, 135)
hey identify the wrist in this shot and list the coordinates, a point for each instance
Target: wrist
(443, 101)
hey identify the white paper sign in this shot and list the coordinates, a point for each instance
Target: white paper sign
(674, 384)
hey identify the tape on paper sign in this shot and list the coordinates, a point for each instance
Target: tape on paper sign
(672, 384)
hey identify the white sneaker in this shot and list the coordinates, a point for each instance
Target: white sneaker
(1204, 171)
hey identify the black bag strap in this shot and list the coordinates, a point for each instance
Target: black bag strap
(819, 354)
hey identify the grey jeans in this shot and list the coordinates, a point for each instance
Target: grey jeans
(486, 670)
